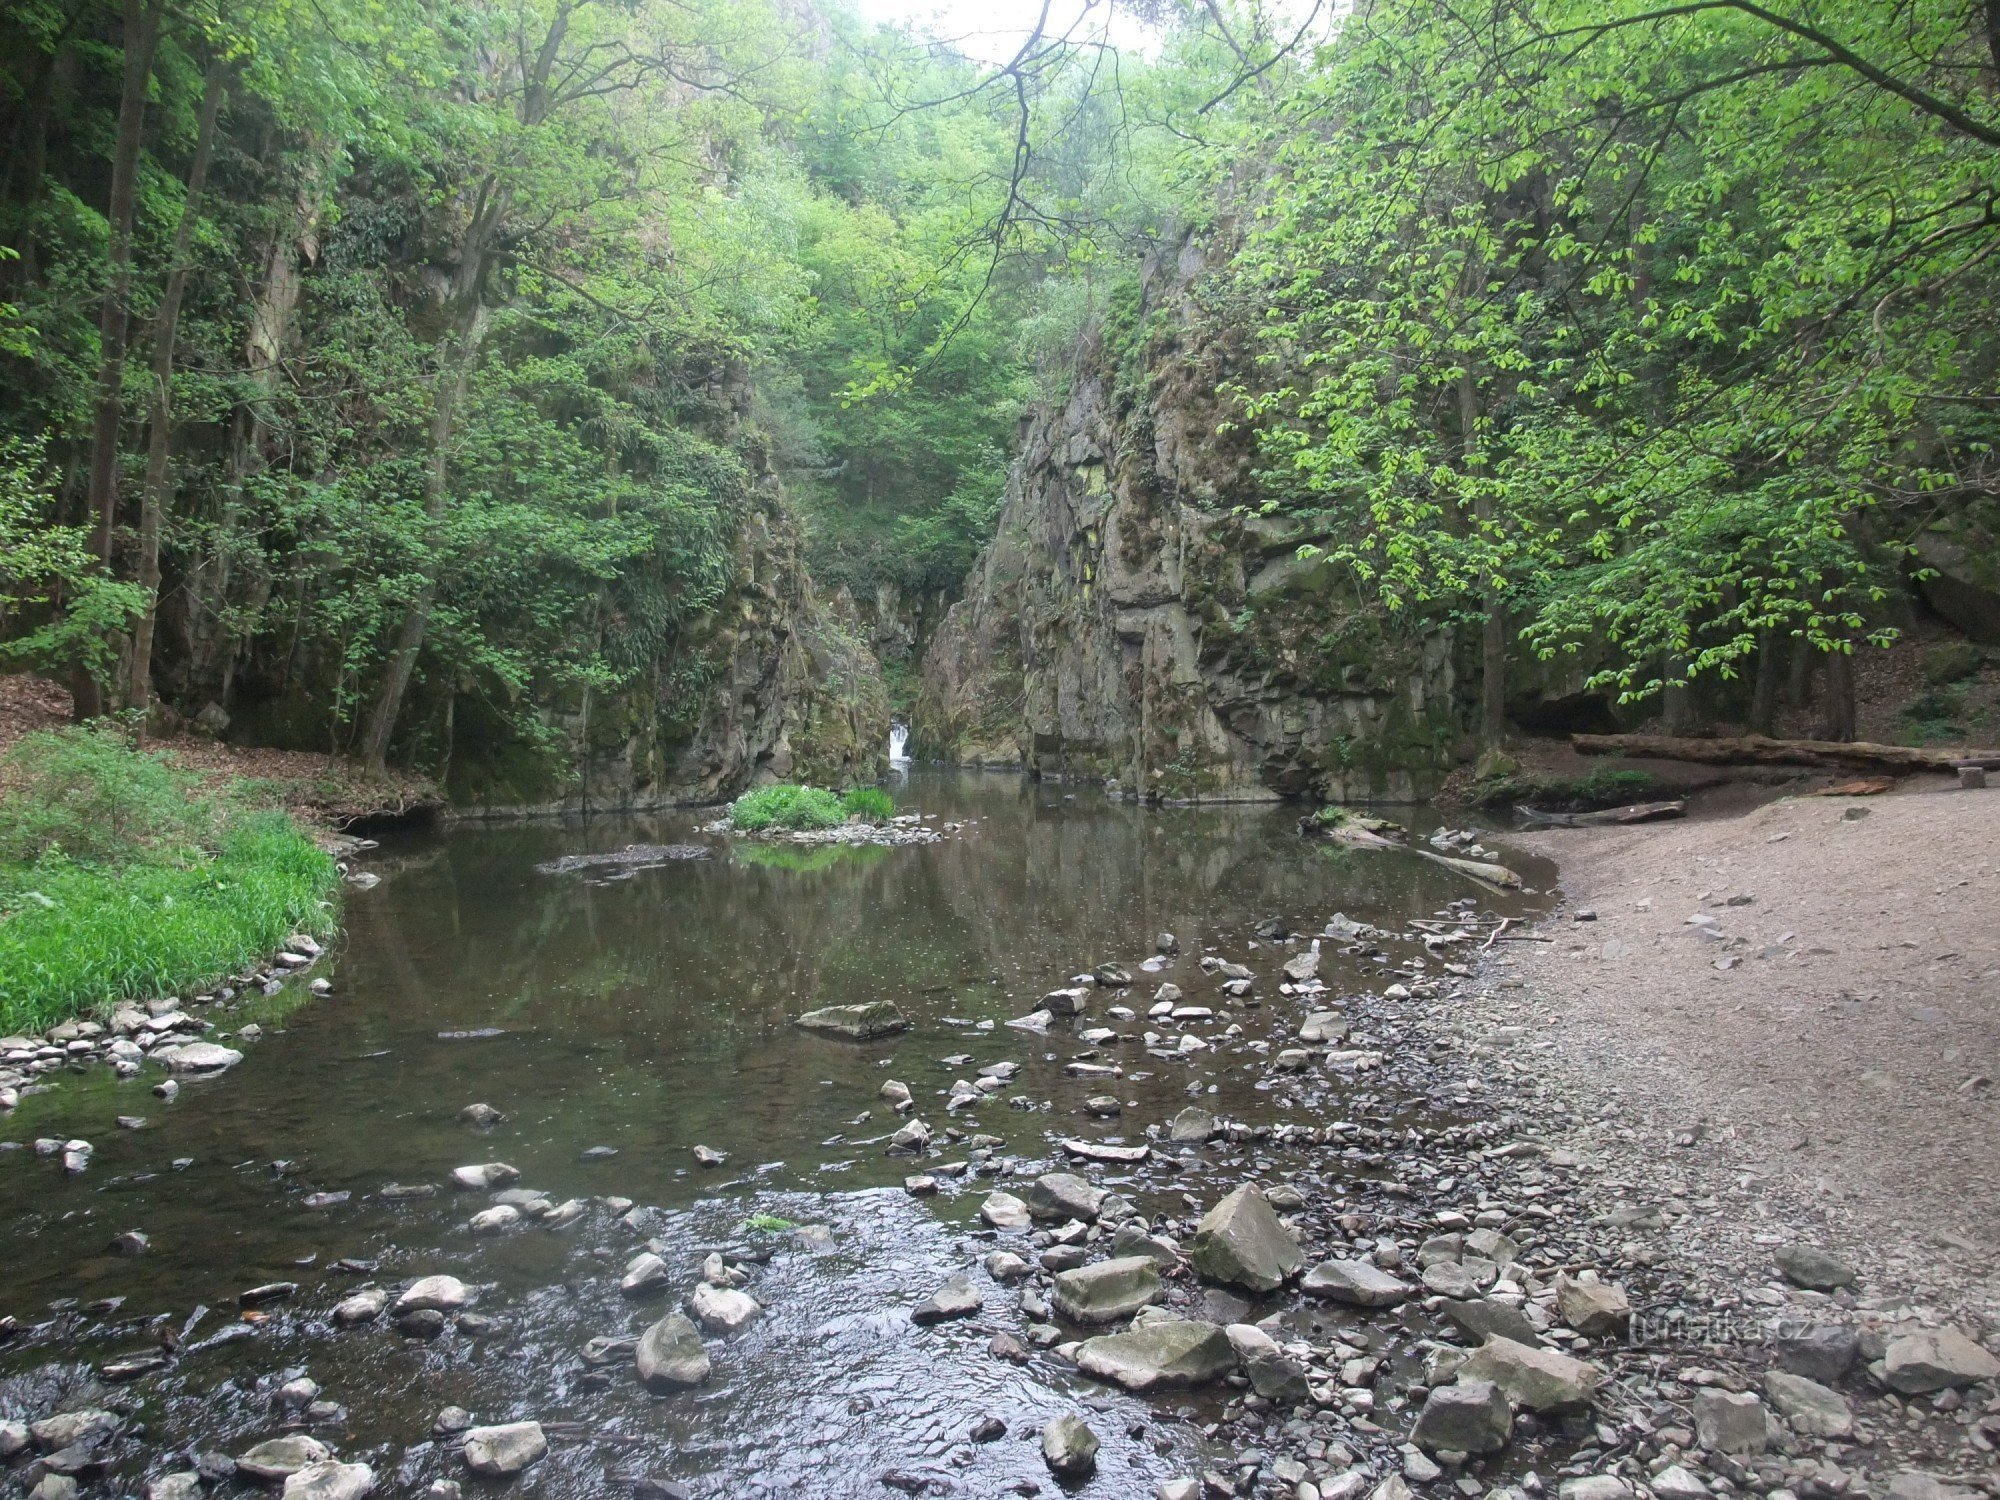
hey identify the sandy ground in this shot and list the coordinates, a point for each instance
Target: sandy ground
(1824, 1059)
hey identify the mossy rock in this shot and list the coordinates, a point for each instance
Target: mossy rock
(1952, 661)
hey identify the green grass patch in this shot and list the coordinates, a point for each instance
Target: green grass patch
(786, 807)
(869, 803)
(1606, 784)
(120, 880)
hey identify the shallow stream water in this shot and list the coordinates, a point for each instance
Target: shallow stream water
(649, 1010)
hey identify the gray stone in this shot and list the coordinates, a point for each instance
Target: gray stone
(496, 1220)
(1158, 1353)
(1594, 1487)
(362, 1307)
(13, 1438)
(1449, 1278)
(1732, 1423)
(481, 1116)
(496, 1452)
(1537, 1379)
(1005, 1211)
(433, 1294)
(1810, 1408)
(1482, 1318)
(856, 1023)
(1274, 1374)
(645, 1273)
(330, 1480)
(484, 1177)
(185, 1485)
(67, 1428)
(723, 1309)
(1063, 1195)
(1324, 1027)
(54, 1487)
(197, 1057)
(1807, 1266)
(1130, 1239)
(1915, 1484)
(1470, 1416)
(1241, 1242)
(1824, 1353)
(1935, 1359)
(1108, 1290)
(1596, 1308)
(1356, 1283)
(670, 1355)
(281, 1457)
(1192, 1126)
(1069, 1447)
(1677, 1483)
(957, 1298)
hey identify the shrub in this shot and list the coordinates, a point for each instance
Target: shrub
(86, 794)
(870, 803)
(786, 807)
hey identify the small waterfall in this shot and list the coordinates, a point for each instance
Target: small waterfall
(899, 739)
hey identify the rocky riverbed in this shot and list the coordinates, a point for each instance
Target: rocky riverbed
(1273, 1212)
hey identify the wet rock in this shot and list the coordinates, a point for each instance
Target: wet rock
(182, 1486)
(564, 1214)
(957, 1298)
(1468, 1417)
(1303, 966)
(645, 1273)
(1193, 1125)
(1005, 1265)
(912, 1139)
(1103, 1152)
(670, 1355)
(1731, 1423)
(723, 1309)
(330, 1480)
(1066, 1002)
(988, 1430)
(1104, 1106)
(1813, 1268)
(1323, 1027)
(197, 1057)
(1355, 1283)
(1069, 1447)
(857, 1023)
(1005, 1211)
(496, 1220)
(920, 1187)
(1240, 1242)
(13, 1439)
(1108, 1290)
(294, 1395)
(1935, 1359)
(1061, 1196)
(1449, 1278)
(279, 1458)
(1482, 1318)
(484, 1177)
(1112, 976)
(1915, 1484)
(362, 1307)
(1182, 1488)
(130, 1242)
(1596, 1308)
(1006, 1346)
(1810, 1408)
(424, 1323)
(1274, 1374)
(1130, 1239)
(1824, 1353)
(1167, 943)
(1537, 1379)
(897, 1093)
(481, 1116)
(1158, 1353)
(708, 1156)
(506, 1449)
(451, 1421)
(68, 1428)
(54, 1487)
(433, 1294)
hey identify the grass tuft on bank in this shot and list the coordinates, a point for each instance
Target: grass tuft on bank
(123, 877)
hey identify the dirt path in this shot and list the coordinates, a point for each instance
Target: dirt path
(1824, 1058)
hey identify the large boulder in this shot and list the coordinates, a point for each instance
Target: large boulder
(856, 1023)
(508, 1448)
(1935, 1359)
(670, 1355)
(1005, 1211)
(1356, 1283)
(1107, 1290)
(281, 1457)
(1538, 1379)
(1731, 1422)
(1468, 1417)
(330, 1480)
(1483, 1318)
(1241, 1242)
(1069, 1447)
(1158, 1353)
(197, 1057)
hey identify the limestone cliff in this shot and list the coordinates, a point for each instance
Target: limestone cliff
(776, 684)
(1134, 620)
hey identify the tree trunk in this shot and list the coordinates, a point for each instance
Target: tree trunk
(166, 329)
(1493, 625)
(141, 37)
(1755, 750)
(1838, 720)
(1770, 680)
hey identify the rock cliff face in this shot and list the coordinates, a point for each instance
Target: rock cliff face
(1130, 623)
(777, 684)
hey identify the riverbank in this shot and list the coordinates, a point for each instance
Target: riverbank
(1788, 1013)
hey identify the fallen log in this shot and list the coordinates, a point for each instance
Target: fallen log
(1760, 750)
(1637, 812)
